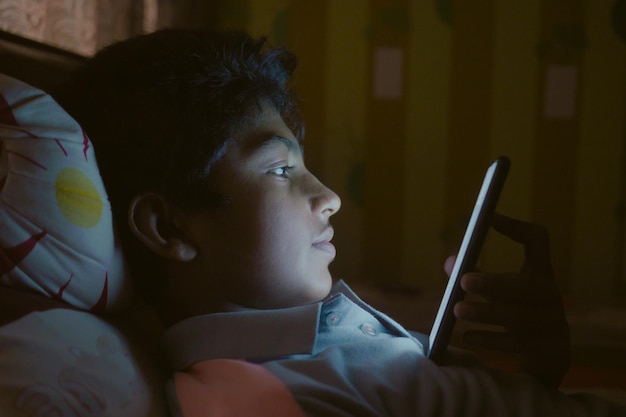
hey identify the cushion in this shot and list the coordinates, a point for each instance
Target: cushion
(16, 303)
(63, 362)
(56, 229)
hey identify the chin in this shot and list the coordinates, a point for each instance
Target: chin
(321, 288)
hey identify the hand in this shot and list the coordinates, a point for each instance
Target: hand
(527, 305)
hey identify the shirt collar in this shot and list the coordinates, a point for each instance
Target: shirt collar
(250, 334)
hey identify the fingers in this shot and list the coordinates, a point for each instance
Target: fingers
(510, 287)
(497, 287)
(509, 343)
(536, 282)
(448, 265)
(520, 318)
(503, 342)
(533, 237)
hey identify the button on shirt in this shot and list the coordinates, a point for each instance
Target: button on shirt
(341, 357)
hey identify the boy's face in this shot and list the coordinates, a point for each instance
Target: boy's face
(269, 247)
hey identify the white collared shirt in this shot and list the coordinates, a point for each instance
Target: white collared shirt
(341, 357)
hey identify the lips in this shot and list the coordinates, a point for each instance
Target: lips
(323, 243)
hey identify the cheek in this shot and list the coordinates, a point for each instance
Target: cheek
(285, 239)
(281, 231)
(262, 232)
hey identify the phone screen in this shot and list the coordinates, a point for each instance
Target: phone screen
(467, 256)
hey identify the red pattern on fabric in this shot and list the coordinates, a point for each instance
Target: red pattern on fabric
(61, 146)
(8, 118)
(11, 257)
(59, 295)
(32, 161)
(6, 112)
(101, 304)
(85, 145)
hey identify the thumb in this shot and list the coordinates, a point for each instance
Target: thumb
(448, 264)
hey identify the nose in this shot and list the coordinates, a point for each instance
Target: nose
(324, 201)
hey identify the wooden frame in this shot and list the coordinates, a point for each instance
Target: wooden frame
(40, 65)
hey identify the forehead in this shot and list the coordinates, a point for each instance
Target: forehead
(265, 132)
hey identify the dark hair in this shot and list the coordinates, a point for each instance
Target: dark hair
(160, 109)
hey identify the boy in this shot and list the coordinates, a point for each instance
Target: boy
(198, 139)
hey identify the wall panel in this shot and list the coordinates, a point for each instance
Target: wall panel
(347, 69)
(514, 118)
(427, 119)
(555, 158)
(596, 262)
(384, 197)
(467, 147)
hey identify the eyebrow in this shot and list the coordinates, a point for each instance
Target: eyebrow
(292, 146)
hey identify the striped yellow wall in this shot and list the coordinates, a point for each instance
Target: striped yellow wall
(467, 144)
(347, 94)
(308, 32)
(514, 97)
(597, 258)
(427, 118)
(385, 147)
(474, 87)
(555, 156)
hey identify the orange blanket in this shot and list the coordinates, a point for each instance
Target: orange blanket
(233, 388)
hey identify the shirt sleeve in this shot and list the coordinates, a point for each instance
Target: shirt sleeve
(379, 380)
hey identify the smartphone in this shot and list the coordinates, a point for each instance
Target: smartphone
(468, 254)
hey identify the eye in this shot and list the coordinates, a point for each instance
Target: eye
(281, 171)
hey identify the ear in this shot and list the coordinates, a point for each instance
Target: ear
(150, 218)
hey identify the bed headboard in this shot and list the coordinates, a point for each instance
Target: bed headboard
(40, 65)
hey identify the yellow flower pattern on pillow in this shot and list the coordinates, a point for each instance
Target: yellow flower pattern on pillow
(56, 230)
(78, 198)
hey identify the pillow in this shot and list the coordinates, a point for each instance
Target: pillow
(71, 363)
(56, 229)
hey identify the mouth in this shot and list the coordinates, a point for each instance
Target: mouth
(324, 244)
